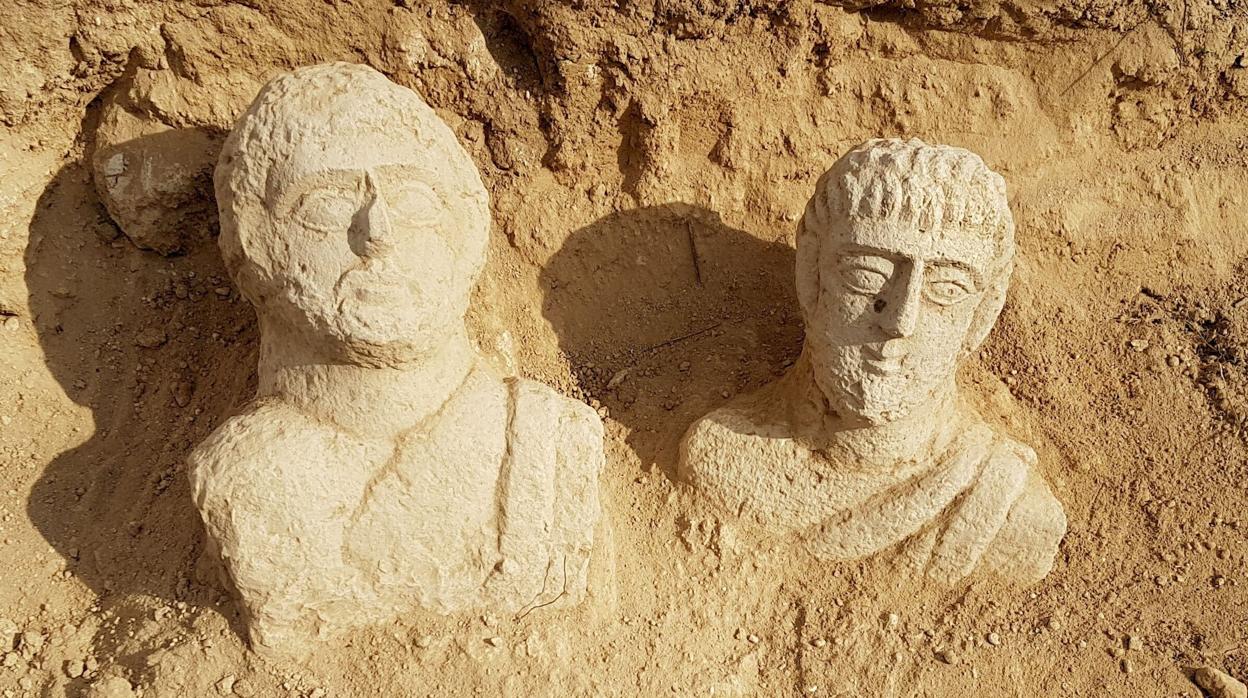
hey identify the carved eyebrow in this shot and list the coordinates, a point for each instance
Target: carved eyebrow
(868, 251)
(859, 249)
(313, 180)
(976, 277)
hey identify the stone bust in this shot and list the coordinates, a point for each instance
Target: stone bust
(904, 255)
(383, 465)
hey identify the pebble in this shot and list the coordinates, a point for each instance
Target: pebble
(10, 660)
(424, 642)
(225, 686)
(1134, 642)
(243, 688)
(111, 687)
(1138, 344)
(1127, 666)
(819, 642)
(32, 641)
(994, 639)
(752, 638)
(1218, 684)
(74, 668)
(947, 656)
(8, 629)
(494, 641)
(151, 337)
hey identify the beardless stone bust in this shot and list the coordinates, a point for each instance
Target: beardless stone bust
(904, 256)
(383, 466)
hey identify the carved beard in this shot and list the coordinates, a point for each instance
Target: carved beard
(856, 391)
(382, 318)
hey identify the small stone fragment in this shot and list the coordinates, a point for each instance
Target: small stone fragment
(1218, 684)
(494, 641)
(947, 656)
(74, 668)
(994, 639)
(244, 689)
(225, 686)
(110, 687)
(1138, 344)
(10, 660)
(151, 337)
(1134, 642)
(8, 634)
(752, 638)
(32, 641)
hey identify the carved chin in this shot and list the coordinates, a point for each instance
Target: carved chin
(387, 322)
(868, 400)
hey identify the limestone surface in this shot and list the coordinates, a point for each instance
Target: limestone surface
(383, 465)
(904, 256)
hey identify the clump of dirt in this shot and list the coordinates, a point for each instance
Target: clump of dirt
(647, 163)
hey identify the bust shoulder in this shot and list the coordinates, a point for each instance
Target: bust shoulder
(268, 448)
(735, 458)
(541, 412)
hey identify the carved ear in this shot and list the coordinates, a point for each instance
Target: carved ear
(989, 309)
(806, 274)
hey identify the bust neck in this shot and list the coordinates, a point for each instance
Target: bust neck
(858, 445)
(368, 402)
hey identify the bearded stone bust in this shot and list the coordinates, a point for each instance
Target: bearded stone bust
(904, 255)
(383, 465)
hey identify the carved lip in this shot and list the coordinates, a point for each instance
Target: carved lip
(883, 366)
(878, 360)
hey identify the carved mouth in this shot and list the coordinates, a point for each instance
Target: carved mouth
(883, 367)
(880, 361)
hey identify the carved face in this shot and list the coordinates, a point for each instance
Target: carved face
(895, 307)
(361, 226)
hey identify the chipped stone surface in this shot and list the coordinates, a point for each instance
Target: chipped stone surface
(903, 260)
(1218, 684)
(384, 465)
(152, 177)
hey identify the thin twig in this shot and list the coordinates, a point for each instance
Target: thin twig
(681, 338)
(693, 251)
(561, 594)
(1102, 57)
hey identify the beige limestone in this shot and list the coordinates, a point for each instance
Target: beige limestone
(383, 465)
(904, 255)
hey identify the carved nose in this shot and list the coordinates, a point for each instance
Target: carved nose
(899, 312)
(371, 234)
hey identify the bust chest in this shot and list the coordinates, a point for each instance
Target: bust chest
(428, 514)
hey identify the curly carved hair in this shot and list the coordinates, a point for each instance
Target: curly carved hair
(931, 187)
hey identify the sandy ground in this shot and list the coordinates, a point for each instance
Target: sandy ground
(647, 162)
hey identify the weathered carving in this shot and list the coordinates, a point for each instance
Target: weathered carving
(903, 259)
(383, 465)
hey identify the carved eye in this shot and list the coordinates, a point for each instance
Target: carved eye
(864, 280)
(328, 209)
(947, 291)
(416, 203)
